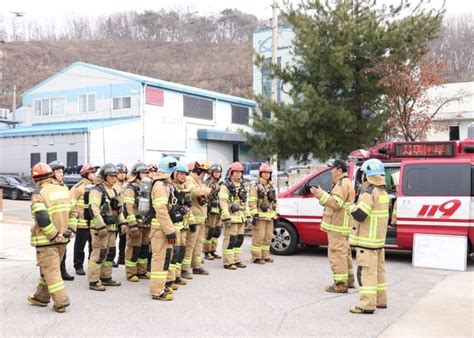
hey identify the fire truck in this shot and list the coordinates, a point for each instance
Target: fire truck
(431, 184)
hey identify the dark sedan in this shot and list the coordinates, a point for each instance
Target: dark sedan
(13, 189)
(71, 180)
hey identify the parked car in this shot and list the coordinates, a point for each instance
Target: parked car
(14, 189)
(25, 180)
(71, 180)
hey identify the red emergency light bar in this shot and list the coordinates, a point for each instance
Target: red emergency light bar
(424, 149)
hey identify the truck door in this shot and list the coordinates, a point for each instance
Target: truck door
(434, 197)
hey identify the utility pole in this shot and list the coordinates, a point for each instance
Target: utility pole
(274, 80)
(14, 105)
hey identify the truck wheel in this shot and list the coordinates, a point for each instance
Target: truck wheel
(285, 239)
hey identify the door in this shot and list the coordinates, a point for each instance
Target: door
(434, 198)
(34, 158)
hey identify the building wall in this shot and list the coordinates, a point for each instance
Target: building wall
(123, 143)
(15, 151)
(79, 80)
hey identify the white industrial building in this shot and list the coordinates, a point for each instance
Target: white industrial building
(91, 114)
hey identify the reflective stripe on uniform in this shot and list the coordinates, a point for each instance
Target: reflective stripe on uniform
(130, 264)
(39, 240)
(336, 228)
(338, 277)
(381, 286)
(364, 207)
(256, 248)
(200, 219)
(324, 198)
(160, 201)
(367, 242)
(142, 261)
(56, 287)
(48, 229)
(265, 247)
(158, 274)
(37, 207)
(368, 290)
(129, 200)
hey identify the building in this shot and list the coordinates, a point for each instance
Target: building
(91, 114)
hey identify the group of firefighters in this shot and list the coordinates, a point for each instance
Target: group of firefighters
(169, 214)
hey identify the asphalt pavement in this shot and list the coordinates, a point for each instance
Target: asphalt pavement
(285, 298)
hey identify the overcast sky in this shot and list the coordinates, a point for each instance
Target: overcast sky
(57, 10)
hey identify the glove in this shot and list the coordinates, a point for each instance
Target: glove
(134, 231)
(68, 233)
(192, 227)
(227, 223)
(254, 220)
(171, 238)
(102, 233)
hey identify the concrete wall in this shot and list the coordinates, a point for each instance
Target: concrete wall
(15, 151)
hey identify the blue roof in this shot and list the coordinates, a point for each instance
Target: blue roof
(156, 83)
(70, 127)
(219, 135)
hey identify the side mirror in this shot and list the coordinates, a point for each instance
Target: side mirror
(305, 189)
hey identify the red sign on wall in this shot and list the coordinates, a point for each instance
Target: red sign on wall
(154, 96)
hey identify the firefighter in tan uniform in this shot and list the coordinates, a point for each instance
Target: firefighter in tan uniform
(335, 223)
(58, 178)
(368, 235)
(55, 222)
(194, 240)
(213, 227)
(120, 186)
(163, 233)
(83, 235)
(264, 210)
(234, 213)
(136, 209)
(105, 209)
(181, 216)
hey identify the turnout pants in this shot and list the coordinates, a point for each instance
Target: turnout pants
(181, 243)
(83, 236)
(136, 253)
(230, 240)
(102, 256)
(211, 233)
(174, 270)
(340, 258)
(371, 277)
(51, 284)
(192, 257)
(261, 239)
(160, 261)
(239, 242)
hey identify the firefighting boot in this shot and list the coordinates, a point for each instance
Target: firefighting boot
(115, 264)
(36, 301)
(168, 289)
(230, 267)
(337, 288)
(358, 310)
(133, 279)
(181, 281)
(240, 265)
(172, 285)
(96, 286)
(200, 271)
(209, 256)
(216, 255)
(145, 275)
(80, 272)
(382, 306)
(259, 261)
(110, 282)
(269, 260)
(164, 297)
(60, 309)
(186, 274)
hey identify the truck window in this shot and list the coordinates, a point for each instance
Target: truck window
(437, 179)
(324, 180)
(472, 181)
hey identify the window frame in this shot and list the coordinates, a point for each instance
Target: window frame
(87, 103)
(202, 119)
(121, 98)
(232, 106)
(49, 99)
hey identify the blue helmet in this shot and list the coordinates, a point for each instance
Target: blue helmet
(167, 164)
(373, 167)
(181, 168)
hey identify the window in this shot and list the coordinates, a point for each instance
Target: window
(86, 103)
(324, 180)
(454, 133)
(50, 157)
(71, 159)
(34, 158)
(122, 103)
(49, 107)
(437, 179)
(198, 108)
(240, 115)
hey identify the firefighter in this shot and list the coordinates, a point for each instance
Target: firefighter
(368, 234)
(105, 209)
(213, 227)
(335, 223)
(234, 211)
(136, 210)
(54, 223)
(181, 217)
(58, 178)
(163, 233)
(83, 235)
(264, 210)
(194, 240)
(120, 186)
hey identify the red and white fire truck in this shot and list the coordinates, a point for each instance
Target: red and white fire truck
(432, 184)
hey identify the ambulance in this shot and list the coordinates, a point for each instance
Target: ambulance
(431, 183)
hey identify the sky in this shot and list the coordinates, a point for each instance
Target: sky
(58, 10)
